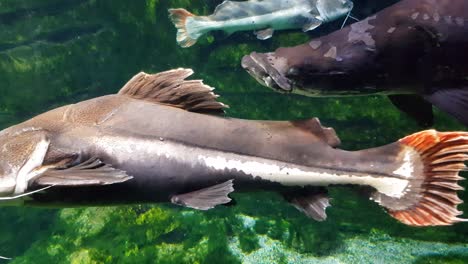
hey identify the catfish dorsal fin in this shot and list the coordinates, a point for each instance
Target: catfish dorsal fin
(314, 126)
(171, 88)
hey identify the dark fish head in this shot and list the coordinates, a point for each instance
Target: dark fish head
(313, 71)
(267, 70)
(310, 79)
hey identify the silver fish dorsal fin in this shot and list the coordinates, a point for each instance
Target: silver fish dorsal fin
(313, 125)
(171, 88)
(239, 9)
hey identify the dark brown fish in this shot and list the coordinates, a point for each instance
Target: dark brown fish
(413, 51)
(160, 140)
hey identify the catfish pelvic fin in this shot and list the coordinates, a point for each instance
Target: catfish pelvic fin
(205, 198)
(313, 203)
(264, 34)
(90, 172)
(314, 126)
(171, 88)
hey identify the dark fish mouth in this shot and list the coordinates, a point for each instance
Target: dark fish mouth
(258, 65)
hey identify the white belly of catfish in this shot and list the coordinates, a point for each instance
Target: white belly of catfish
(148, 152)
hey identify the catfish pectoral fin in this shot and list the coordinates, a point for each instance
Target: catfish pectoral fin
(312, 24)
(90, 172)
(205, 198)
(432, 161)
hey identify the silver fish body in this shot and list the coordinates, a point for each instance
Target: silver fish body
(262, 16)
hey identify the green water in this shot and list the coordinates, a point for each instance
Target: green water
(55, 52)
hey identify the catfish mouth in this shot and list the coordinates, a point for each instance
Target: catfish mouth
(268, 70)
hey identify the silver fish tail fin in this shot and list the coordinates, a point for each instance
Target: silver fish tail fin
(187, 31)
(431, 163)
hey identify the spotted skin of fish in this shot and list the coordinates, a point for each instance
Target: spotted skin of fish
(411, 52)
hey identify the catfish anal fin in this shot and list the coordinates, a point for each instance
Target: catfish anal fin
(452, 101)
(264, 34)
(416, 107)
(90, 172)
(311, 203)
(205, 198)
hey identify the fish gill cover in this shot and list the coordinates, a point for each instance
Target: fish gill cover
(56, 52)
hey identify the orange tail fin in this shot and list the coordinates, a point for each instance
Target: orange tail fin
(431, 196)
(179, 17)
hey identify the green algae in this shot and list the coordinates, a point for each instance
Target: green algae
(91, 48)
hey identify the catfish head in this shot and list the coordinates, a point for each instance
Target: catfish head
(30, 163)
(22, 155)
(333, 9)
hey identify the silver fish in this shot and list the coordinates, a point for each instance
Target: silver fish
(158, 140)
(264, 16)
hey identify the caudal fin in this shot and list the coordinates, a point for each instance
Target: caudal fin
(432, 162)
(179, 17)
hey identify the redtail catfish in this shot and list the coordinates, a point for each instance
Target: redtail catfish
(161, 139)
(413, 51)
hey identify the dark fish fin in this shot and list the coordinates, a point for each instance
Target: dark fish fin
(90, 172)
(311, 24)
(171, 88)
(314, 126)
(452, 101)
(415, 106)
(205, 198)
(264, 34)
(313, 203)
(432, 162)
